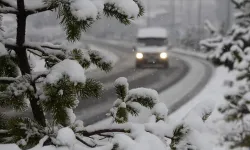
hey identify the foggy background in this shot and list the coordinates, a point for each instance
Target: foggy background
(184, 20)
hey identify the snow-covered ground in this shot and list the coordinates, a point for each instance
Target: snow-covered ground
(190, 52)
(214, 91)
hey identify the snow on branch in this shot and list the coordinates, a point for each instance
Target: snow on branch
(68, 67)
(8, 7)
(211, 43)
(210, 27)
(8, 10)
(11, 7)
(7, 80)
(85, 143)
(242, 15)
(36, 46)
(100, 131)
(51, 46)
(39, 9)
(30, 9)
(93, 130)
(8, 3)
(239, 4)
(40, 75)
(10, 44)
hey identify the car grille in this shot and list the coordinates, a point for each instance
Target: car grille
(151, 55)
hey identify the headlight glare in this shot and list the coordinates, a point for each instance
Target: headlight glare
(139, 55)
(163, 55)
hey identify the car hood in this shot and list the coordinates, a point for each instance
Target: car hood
(152, 49)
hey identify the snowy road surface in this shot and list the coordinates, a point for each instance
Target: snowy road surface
(184, 79)
(186, 76)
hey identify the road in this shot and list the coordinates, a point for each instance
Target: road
(93, 110)
(185, 77)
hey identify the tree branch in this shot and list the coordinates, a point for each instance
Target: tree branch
(8, 10)
(7, 3)
(11, 45)
(42, 75)
(41, 48)
(85, 143)
(247, 15)
(106, 135)
(34, 53)
(111, 130)
(7, 80)
(240, 4)
(237, 5)
(28, 11)
(35, 47)
(52, 46)
(39, 10)
(98, 132)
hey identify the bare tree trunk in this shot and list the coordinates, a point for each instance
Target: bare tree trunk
(23, 62)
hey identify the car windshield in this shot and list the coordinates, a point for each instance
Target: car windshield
(151, 41)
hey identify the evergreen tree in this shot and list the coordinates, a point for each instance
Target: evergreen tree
(232, 51)
(52, 95)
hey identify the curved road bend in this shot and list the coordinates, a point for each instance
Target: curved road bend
(93, 110)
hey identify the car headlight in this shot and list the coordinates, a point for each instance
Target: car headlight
(163, 55)
(139, 55)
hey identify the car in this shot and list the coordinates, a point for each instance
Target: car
(151, 47)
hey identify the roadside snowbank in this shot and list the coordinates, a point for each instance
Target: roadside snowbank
(214, 91)
(190, 53)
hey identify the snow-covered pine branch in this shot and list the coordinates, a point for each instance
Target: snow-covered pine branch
(232, 51)
(240, 3)
(7, 10)
(38, 8)
(180, 135)
(57, 53)
(210, 27)
(57, 90)
(86, 12)
(8, 3)
(7, 80)
(10, 44)
(127, 100)
(7, 7)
